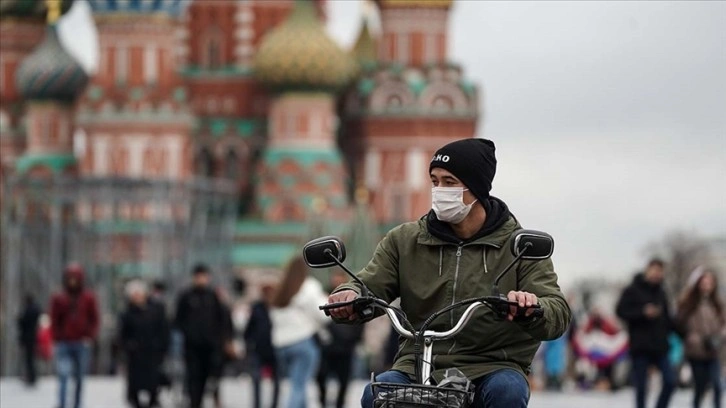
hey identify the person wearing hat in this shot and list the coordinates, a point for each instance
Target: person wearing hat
(454, 252)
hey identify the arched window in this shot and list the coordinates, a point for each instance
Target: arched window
(394, 102)
(4, 120)
(212, 48)
(204, 163)
(443, 104)
(231, 165)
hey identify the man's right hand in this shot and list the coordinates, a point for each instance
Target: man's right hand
(345, 312)
(651, 311)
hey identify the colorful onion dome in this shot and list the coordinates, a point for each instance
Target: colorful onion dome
(299, 54)
(415, 3)
(172, 7)
(35, 9)
(50, 73)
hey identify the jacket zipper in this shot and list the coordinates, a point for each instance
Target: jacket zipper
(453, 294)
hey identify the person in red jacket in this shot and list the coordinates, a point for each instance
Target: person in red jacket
(74, 325)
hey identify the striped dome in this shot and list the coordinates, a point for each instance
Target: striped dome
(50, 73)
(29, 8)
(299, 54)
(172, 7)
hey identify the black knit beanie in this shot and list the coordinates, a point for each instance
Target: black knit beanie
(472, 161)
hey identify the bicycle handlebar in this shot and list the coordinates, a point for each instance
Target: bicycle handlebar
(500, 304)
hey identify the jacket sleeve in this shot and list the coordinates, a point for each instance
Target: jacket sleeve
(124, 335)
(94, 316)
(251, 324)
(539, 278)
(55, 318)
(630, 307)
(180, 317)
(381, 273)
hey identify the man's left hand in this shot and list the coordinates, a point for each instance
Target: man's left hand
(525, 299)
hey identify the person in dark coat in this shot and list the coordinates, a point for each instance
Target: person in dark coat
(258, 342)
(644, 307)
(338, 353)
(157, 298)
(144, 338)
(28, 334)
(228, 352)
(200, 317)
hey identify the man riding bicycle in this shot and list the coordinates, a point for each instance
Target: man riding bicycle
(454, 253)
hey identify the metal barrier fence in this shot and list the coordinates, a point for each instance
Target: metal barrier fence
(117, 228)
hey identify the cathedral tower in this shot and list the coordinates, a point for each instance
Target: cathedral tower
(50, 80)
(404, 106)
(22, 28)
(301, 169)
(135, 112)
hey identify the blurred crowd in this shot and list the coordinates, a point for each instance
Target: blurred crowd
(641, 335)
(276, 331)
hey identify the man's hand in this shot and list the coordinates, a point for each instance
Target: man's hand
(345, 312)
(651, 311)
(525, 299)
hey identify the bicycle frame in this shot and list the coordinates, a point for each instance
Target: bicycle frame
(429, 336)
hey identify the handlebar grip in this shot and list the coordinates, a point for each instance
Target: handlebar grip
(326, 308)
(521, 316)
(361, 306)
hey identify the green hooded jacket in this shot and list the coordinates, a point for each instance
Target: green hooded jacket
(429, 274)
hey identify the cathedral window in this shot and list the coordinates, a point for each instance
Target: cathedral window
(212, 49)
(150, 65)
(204, 163)
(231, 165)
(394, 102)
(122, 64)
(443, 104)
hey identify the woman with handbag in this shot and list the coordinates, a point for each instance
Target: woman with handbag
(702, 317)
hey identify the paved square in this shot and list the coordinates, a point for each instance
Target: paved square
(107, 392)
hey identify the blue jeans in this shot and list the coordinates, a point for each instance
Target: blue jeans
(505, 388)
(71, 358)
(641, 363)
(706, 373)
(300, 362)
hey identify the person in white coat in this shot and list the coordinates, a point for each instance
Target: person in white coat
(295, 321)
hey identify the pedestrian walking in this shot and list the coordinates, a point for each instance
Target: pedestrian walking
(295, 321)
(200, 317)
(28, 336)
(144, 338)
(701, 314)
(644, 307)
(229, 354)
(258, 343)
(74, 325)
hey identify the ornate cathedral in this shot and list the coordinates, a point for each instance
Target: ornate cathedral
(251, 93)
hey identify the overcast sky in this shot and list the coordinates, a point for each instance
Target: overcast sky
(609, 117)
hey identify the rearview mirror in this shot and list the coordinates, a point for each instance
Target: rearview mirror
(534, 245)
(317, 253)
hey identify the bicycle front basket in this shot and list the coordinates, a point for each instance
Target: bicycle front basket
(391, 395)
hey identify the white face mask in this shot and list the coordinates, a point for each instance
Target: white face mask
(448, 204)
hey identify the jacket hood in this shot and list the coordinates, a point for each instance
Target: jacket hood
(496, 239)
(74, 272)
